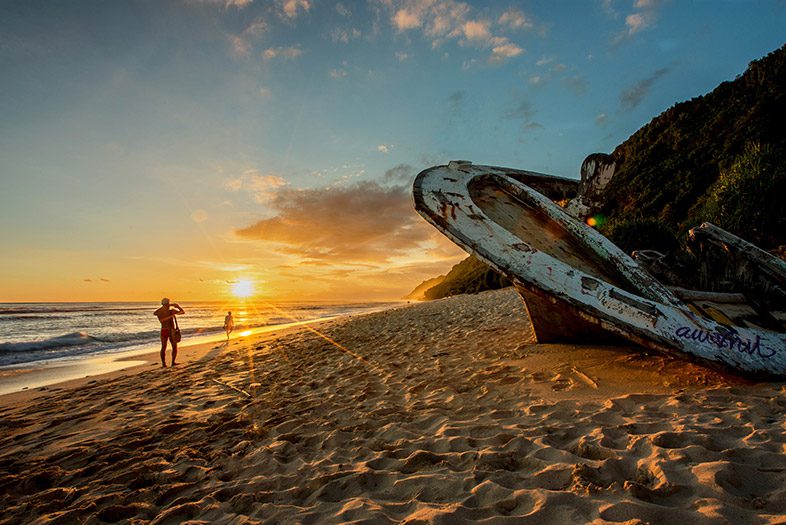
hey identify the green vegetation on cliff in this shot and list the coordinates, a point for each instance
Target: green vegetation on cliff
(719, 157)
(468, 276)
(419, 293)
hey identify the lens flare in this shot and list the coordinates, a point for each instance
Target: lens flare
(596, 221)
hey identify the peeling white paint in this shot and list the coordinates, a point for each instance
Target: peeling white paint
(631, 304)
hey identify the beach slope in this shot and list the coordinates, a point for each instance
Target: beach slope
(440, 412)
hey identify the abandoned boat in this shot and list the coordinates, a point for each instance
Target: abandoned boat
(580, 287)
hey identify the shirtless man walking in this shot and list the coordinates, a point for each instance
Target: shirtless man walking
(166, 314)
(229, 324)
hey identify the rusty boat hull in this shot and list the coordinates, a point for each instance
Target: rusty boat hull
(578, 286)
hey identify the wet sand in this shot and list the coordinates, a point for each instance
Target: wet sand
(442, 412)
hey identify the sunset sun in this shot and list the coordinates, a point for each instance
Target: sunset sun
(243, 288)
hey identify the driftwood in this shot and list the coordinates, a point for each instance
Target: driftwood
(729, 262)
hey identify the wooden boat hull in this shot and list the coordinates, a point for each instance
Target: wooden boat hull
(579, 286)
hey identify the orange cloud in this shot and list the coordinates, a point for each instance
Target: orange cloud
(365, 223)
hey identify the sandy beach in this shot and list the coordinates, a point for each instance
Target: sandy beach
(439, 412)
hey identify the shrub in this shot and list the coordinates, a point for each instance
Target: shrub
(749, 199)
(641, 234)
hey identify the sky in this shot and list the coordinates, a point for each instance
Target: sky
(180, 147)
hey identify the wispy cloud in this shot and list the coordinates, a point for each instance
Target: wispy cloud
(285, 53)
(608, 8)
(645, 15)
(405, 19)
(515, 19)
(401, 174)
(242, 44)
(291, 8)
(632, 97)
(337, 73)
(550, 70)
(226, 4)
(261, 187)
(456, 101)
(476, 30)
(345, 35)
(524, 112)
(199, 216)
(505, 51)
(576, 83)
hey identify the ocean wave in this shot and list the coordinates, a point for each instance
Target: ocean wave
(61, 341)
(7, 318)
(83, 339)
(74, 309)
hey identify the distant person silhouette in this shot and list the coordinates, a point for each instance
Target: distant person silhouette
(166, 314)
(229, 324)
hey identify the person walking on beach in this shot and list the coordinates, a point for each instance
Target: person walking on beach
(229, 324)
(166, 314)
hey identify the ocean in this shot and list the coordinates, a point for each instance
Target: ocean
(36, 332)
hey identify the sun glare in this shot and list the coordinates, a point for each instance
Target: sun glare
(243, 288)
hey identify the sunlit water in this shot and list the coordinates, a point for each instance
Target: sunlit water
(35, 332)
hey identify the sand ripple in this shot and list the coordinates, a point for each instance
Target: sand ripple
(438, 413)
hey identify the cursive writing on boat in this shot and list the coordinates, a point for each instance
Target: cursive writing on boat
(729, 339)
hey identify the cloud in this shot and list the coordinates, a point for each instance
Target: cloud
(576, 83)
(94, 280)
(550, 70)
(505, 51)
(343, 10)
(514, 19)
(632, 97)
(199, 216)
(635, 23)
(456, 101)
(344, 35)
(476, 30)
(242, 43)
(290, 8)
(401, 57)
(601, 119)
(525, 113)
(337, 73)
(644, 16)
(647, 4)
(240, 4)
(285, 53)
(262, 187)
(382, 148)
(364, 223)
(608, 7)
(443, 20)
(401, 174)
(404, 20)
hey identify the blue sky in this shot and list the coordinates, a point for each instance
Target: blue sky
(153, 146)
